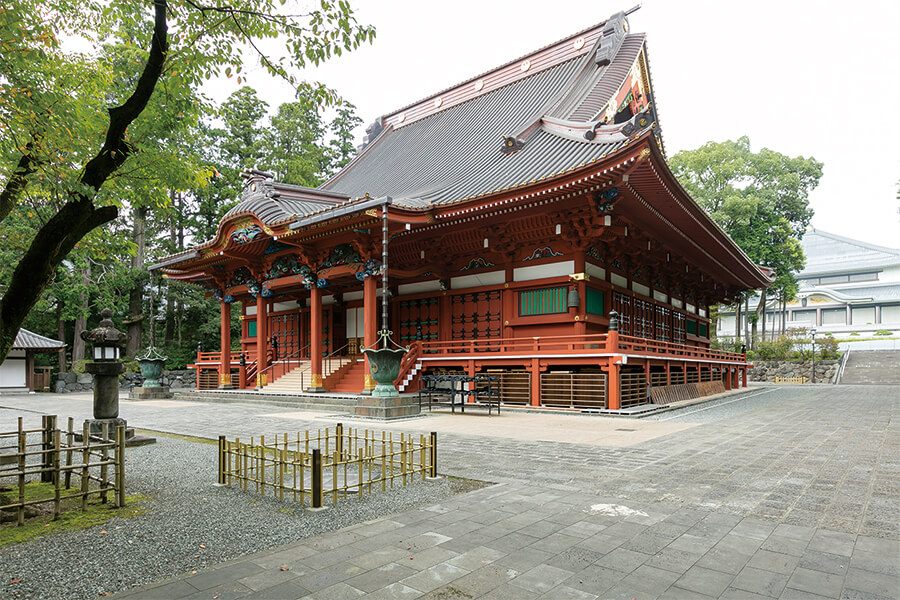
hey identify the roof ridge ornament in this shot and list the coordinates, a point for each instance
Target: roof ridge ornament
(612, 37)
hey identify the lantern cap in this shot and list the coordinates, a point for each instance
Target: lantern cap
(105, 334)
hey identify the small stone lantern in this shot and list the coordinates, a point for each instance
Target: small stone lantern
(106, 368)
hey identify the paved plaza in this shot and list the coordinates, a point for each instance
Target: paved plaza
(781, 493)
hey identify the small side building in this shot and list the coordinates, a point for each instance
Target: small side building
(17, 371)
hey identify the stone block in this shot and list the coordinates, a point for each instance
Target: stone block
(85, 378)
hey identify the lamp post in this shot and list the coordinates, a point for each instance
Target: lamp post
(813, 331)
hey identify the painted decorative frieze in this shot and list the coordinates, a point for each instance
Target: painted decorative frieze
(545, 252)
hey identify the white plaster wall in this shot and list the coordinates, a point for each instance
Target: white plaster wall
(566, 267)
(12, 372)
(468, 281)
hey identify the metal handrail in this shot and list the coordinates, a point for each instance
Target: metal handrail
(295, 354)
(326, 360)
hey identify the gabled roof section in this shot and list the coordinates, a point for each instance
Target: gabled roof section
(272, 202)
(27, 340)
(828, 253)
(522, 122)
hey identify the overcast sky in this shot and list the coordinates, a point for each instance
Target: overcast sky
(802, 78)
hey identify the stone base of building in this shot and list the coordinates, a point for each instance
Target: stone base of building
(150, 393)
(398, 407)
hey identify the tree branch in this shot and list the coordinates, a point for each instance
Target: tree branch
(18, 181)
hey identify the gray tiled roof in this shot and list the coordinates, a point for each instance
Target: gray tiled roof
(26, 340)
(456, 153)
(286, 201)
(827, 253)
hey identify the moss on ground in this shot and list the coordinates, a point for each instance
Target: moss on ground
(177, 436)
(71, 516)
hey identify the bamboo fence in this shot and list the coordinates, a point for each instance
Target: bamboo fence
(336, 463)
(31, 454)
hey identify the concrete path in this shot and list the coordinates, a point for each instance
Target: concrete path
(796, 498)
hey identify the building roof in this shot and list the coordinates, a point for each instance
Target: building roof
(26, 340)
(450, 147)
(829, 254)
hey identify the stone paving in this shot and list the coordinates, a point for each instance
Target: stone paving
(793, 499)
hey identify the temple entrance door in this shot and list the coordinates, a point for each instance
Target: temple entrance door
(339, 331)
(354, 330)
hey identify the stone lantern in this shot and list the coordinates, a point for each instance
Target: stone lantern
(106, 368)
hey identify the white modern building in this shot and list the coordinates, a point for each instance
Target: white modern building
(848, 286)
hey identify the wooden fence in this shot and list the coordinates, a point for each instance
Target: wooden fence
(338, 463)
(42, 454)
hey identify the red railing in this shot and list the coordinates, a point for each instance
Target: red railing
(574, 344)
(409, 361)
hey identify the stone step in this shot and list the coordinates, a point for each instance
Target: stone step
(323, 402)
(872, 367)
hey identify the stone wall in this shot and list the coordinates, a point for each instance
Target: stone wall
(768, 370)
(71, 382)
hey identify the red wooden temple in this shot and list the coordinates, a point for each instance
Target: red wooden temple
(525, 207)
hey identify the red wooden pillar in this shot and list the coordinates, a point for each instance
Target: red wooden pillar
(370, 327)
(614, 398)
(315, 343)
(581, 286)
(744, 374)
(225, 346)
(668, 373)
(262, 339)
(728, 377)
(535, 382)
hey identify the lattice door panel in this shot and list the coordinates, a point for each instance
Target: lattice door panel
(515, 386)
(632, 389)
(676, 377)
(691, 376)
(419, 320)
(622, 305)
(284, 332)
(475, 316)
(574, 390)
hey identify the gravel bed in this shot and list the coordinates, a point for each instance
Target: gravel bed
(185, 511)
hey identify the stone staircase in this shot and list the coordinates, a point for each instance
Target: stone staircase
(872, 367)
(298, 379)
(350, 381)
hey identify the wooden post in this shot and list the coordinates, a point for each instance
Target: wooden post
(339, 441)
(20, 509)
(370, 326)
(29, 371)
(225, 339)
(221, 460)
(434, 471)
(535, 382)
(262, 338)
(70, 441)
(85, 463)
(315, 345)
(56, 478)
(104, 456)
(49, 424)
(727, 370)
(120, 466)
(744, 373)
(316, 478)
(614, 401)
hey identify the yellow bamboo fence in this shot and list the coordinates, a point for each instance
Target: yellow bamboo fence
(95, 463)
(327, 463)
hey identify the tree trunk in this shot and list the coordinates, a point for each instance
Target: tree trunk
(761, 311)
(61, 334)
(737, 322)
(81, 321)
(746, 321)
(170, 300)
(136, 295)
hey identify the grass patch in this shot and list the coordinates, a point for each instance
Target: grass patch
(71, 517)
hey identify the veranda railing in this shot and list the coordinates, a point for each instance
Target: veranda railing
(334, 463)
(43, 454)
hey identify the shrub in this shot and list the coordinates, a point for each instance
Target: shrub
(827, 348)
(778, 349)
(884, 332)
(78, 366)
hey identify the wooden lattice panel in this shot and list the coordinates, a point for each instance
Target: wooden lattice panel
(676, 377)
(657, 378)
(573, 390)
(208, 379)
(692, 376)
(633, 389)
(705, 375)
(475, 316)
(515, 386)
(419, 319)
